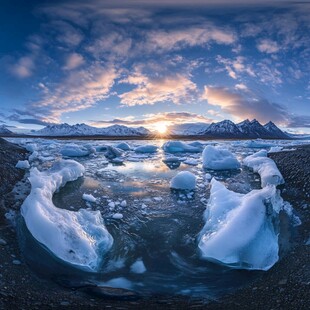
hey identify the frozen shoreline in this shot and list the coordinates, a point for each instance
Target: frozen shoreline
(284, 285)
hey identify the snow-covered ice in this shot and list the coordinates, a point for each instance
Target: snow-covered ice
(184, 180)
(23, 164)
(78, 238)
(218, 158)
(265, 167)
(240, 230)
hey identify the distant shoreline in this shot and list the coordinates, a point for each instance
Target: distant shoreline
(153, 137)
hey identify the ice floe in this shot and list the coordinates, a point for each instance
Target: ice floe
(217, 158)
(123, 146)
(78, 238)
(183, 180)
(265, 167)
(74, 150)
(240, 229)
(180, 147)
(89, 197)
(146, 148)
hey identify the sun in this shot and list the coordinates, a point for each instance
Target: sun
(161, 128)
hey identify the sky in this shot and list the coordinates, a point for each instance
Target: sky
(147, 62)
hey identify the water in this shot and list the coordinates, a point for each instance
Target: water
(160, 226)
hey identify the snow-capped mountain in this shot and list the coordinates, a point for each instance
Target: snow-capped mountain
(188, 129)
(253, 129)
(86, 130)
(5, 131)
(275, 131)
(224, 129)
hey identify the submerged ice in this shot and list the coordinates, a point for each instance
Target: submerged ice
(78, 238)
(241, 229)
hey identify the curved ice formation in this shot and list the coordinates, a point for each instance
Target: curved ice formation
(240, 230)
(179, 147)
(79, 238)
(217, 158)
(123, 146)
(265, 167)
(183, 180)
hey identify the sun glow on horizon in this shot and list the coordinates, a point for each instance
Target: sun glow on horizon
(161, 127)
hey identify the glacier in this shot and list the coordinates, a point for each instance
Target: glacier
(78, 238)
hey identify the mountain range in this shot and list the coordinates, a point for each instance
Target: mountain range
(225, 129)
(86, 130)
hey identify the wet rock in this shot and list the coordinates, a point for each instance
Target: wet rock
(3, 242)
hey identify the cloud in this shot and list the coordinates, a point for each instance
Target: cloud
(189, 37)
(268, 46)
(299, 121)
(176, 89)
(242, 107)
(79, 90)
(236, 66)
(23, 68)
(74, 61)
(241, 86)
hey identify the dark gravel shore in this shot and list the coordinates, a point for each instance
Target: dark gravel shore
(285, 286)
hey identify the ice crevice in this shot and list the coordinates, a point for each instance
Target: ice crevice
(78, 238)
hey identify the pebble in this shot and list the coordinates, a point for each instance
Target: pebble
(3, 242)
(65, 303)
(16, 262)
(282, 282)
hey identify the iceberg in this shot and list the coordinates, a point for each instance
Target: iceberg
(180, 147)
(240, 229)
(265, 167)
(183, 180)
(217, 158)
(78, 238)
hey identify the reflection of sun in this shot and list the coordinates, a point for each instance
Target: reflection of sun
(161, 128)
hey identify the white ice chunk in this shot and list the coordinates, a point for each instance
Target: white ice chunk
(179, 147)
(239, 230)
(146, 148)
(183, 180)
(22, 164)
(78, 238)
(89, 197)
(124, 203)
(265, 167)
(117, 216)
(33, 156)
(138, 267)
(217, 158)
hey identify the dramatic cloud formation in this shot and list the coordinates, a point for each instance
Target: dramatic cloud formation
(139, 57)
(244, 107)
(176, 89)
